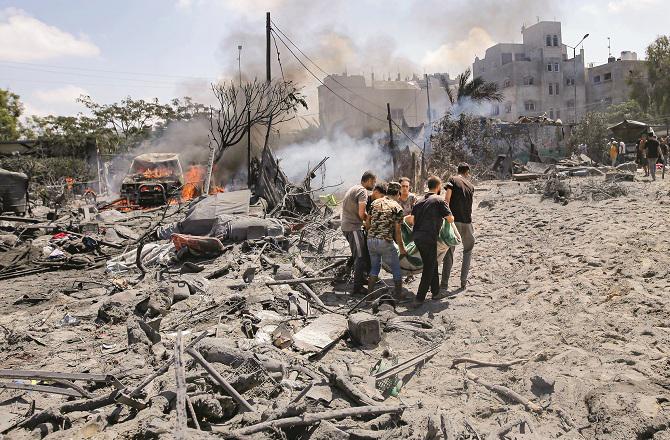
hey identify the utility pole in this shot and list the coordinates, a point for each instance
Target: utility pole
(268, 28)
(388, 116)
(239, 62)
(248, 148)
(430, 122)
(391, 144)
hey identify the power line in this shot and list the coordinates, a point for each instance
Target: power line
(323, 84)
(343, 99)
(281, 69)
(323, 71)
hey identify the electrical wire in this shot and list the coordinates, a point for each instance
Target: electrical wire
(322, 70)
(281, 69)
(339, 96)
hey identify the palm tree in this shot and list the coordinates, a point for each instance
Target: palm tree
(476, 89)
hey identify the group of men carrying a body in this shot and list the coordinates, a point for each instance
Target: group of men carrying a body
(372, 223)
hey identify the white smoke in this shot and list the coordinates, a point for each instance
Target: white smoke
(348, 159)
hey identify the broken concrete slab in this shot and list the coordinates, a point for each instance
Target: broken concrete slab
(364, 329)
(321, 332)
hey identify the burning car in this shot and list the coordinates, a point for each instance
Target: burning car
(153, 179)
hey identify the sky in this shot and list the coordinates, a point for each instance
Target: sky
(52, 51)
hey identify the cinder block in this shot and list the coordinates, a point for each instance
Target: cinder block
(364, 329)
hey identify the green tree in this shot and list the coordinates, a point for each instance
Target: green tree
(10, 111)
(631, 110)
(125, 124)
(592, 131)
(476, 90)
(466, 138)
(658, 65)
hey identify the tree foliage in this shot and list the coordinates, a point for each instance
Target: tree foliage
(631, 110)
(10, 111)
(268, 103)
(466, 138)
(592, 131)
(476, 90)
(658, 65)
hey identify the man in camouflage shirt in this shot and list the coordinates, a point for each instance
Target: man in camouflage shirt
(383, 226)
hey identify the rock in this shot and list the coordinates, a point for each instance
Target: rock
(213, 408)
(542, 385)
(112, 312)
(364, 329)
(619, 177)
(630, 167)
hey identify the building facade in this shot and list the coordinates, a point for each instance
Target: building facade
(608, 84)
(537, 77)
(365, 113)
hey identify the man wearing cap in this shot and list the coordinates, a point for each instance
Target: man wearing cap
(459, 195)
(614, 151)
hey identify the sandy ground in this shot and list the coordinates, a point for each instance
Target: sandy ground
(581, 291)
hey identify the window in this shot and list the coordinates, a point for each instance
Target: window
(596, 79)
(556, 40)
(529, 106)
(507, 83)
(549, 66)
(508, 107)
(558, 114)
(495, 110)
(569, 81)
(557, 67)
(506, 58)
(571, 103)
(556, 89)
(548, 40)
(397, 114)
(528, 81)
(551, 89)
(551, 113)
(608, 76)
(520, 57)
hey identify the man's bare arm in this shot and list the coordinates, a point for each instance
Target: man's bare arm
(447, 195)
(398, 239)
(361, 212)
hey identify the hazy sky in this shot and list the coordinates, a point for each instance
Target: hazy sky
(51, 51)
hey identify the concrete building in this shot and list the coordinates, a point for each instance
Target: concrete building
(607, 84)
(536, 76)
(407, 99)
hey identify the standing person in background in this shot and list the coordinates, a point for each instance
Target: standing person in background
(653, 153)
(665, 150)
(428, 214)
(459, 196)
(614, 151)
(383, 226)
(642, 155)
(622, 152)
(407, 199)
(352, 219)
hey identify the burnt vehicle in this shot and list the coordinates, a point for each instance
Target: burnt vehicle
(153, 179)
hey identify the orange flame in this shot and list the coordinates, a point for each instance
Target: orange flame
(156, 173)
(194, 180)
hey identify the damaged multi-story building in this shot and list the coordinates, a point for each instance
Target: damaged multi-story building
(365, 111)
(544, 75)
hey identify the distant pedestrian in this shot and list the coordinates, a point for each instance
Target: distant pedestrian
(653, 154)
(665, 151)
(383, 226)
(459, 195)
(407, 198)
(428, 214)
(614, 151)
(642, 156)
(352, 219)
(622, 152)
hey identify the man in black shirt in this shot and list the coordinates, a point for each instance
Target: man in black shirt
(653, 153)
(428, 214)
(459, 195)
